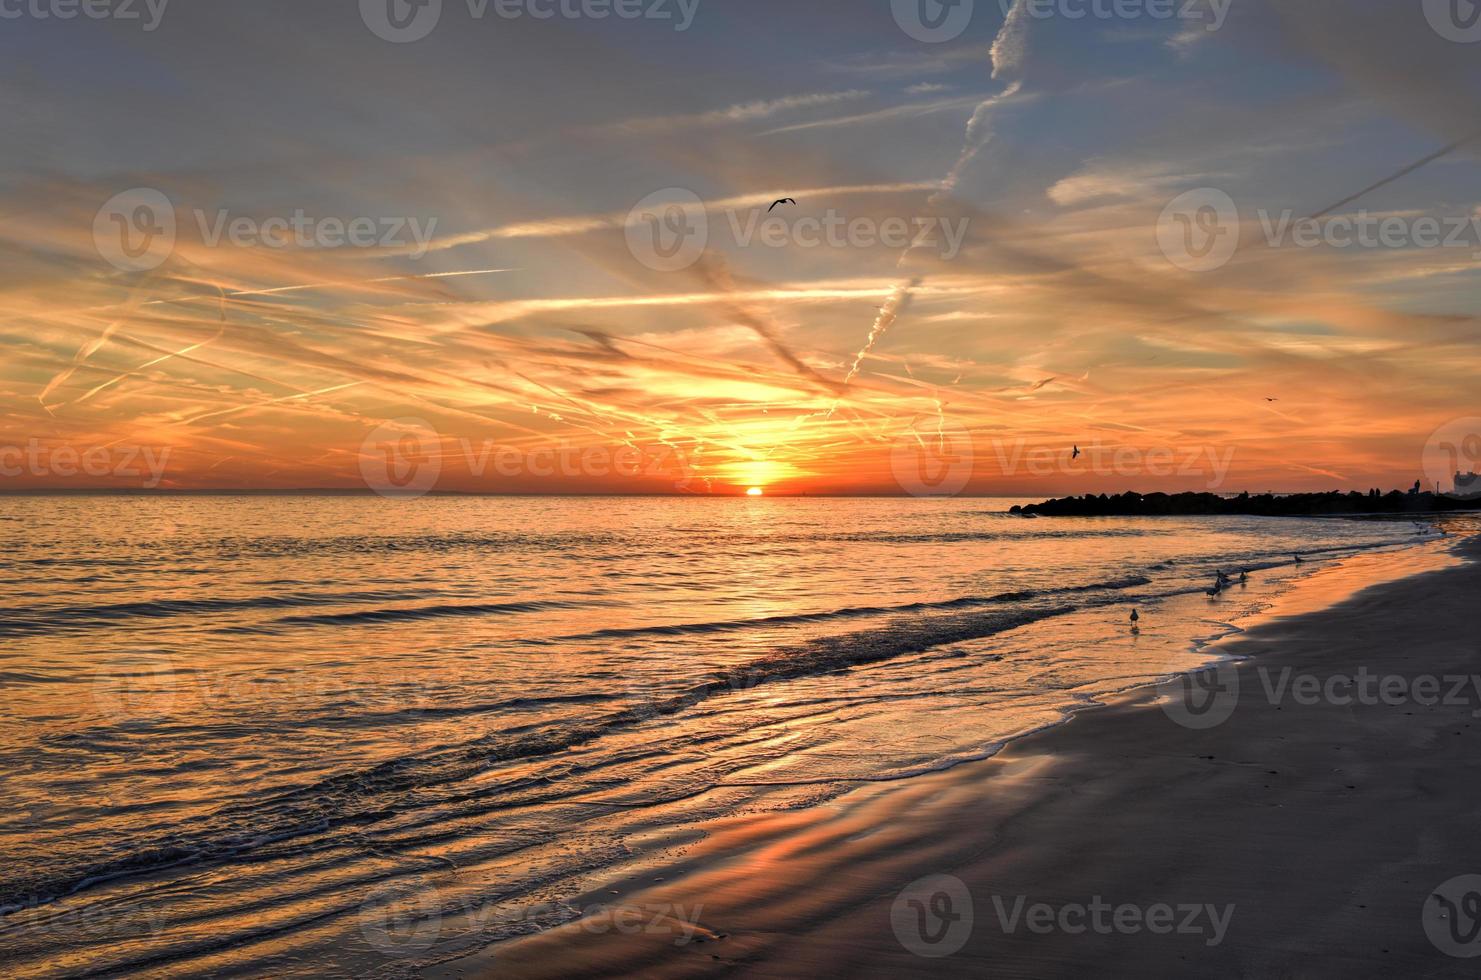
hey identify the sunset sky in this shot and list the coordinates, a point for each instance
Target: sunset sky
(528, 322)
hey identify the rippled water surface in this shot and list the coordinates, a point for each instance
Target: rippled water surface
(243, 734)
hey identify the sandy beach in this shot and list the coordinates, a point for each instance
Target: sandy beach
(1301, 826)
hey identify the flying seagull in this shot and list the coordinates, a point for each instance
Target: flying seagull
(1076, 453)
(1272, 399)
(785, 200)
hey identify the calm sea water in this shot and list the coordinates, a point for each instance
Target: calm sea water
(350, 736)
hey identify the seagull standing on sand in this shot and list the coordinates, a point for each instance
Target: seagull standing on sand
(1135, 617)
(1299, 560)
(1218, 587)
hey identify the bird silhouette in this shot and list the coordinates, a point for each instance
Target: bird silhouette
(1076, 453)
(1135, 616)
(1272, 399)
(785, 200)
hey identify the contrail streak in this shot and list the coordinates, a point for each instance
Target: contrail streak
(888, 314)
(1443, 151)
(270, 401)
(363, 282)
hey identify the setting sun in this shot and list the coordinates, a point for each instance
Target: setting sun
(753, 492)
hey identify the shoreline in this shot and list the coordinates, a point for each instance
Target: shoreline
(751, 908)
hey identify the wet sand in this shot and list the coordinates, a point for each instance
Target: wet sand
(1304, 834)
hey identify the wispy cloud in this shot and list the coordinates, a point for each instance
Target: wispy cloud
(906, 111)
(585, 224)
(742, 112)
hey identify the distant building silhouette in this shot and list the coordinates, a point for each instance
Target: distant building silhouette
(1467, 484)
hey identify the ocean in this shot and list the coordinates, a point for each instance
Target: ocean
(248, 735)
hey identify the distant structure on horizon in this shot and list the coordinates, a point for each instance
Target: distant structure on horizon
(1467, 484)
